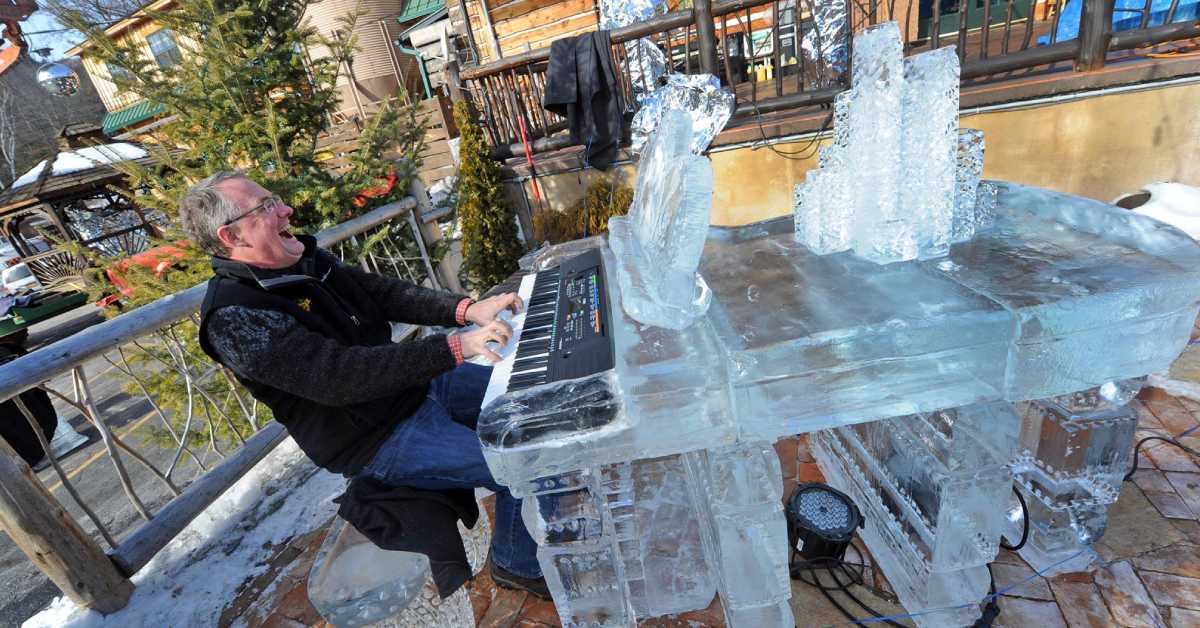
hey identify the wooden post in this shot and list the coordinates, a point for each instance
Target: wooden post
(1095, 31)
(706, 32)
(491, 29)
(39, 525)
(453, 81)
(430, 233)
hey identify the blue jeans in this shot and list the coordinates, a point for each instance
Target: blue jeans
(436, 448)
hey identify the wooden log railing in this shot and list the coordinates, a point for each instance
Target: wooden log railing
(43, 528)
(758, 50)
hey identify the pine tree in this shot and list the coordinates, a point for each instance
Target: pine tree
(247, 94)
(489, 229)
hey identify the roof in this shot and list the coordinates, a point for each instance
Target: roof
(71, 171)
(414, 9)
(126, 116)
(119, 27)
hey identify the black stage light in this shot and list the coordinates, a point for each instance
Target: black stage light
(821, 521)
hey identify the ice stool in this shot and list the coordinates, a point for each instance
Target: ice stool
(355, 583)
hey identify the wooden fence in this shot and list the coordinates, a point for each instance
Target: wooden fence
(335, 147)
(755, 48)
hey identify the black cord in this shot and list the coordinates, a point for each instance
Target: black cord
(812, 568)
(1024, 525)
(1164, 439)
(810, 148)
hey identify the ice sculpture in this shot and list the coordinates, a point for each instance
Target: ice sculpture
(1007, 294)
(700, 96)
(895, 184)
(621, 541)
(928, 485)
(355, 583)
(744, 532)
(658, 245)
(1074, 452)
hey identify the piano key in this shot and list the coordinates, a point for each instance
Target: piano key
(519, 368)
(498, 382)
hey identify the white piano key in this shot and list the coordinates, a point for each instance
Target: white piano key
(502, 371)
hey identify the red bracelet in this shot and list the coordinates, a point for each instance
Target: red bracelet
(460, 313)
(456, 349)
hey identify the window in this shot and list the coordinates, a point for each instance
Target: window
(119, 73)
(164, 48)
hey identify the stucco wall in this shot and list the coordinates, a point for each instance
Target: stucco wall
(1099, 147)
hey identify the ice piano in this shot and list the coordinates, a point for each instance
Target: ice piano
(924, 384)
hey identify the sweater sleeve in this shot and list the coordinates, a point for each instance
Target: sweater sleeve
(273, 348)
(406, 302)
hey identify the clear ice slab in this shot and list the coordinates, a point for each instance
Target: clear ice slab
(355, 583)
(1021, 311)
(658, 245)
(928, 485)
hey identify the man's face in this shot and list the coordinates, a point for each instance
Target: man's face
(260, 238)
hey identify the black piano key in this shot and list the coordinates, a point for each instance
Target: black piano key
(533, 345)
(540, 320)
(521, 366)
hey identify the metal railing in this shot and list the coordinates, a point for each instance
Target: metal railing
(756, 47)
(217, 414)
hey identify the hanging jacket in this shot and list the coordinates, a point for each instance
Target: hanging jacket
(581, 86)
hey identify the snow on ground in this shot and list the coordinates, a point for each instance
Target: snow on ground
(196, 575)
(83, 159)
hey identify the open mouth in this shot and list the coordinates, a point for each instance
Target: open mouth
(286, 235)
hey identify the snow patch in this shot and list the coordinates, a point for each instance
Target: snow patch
(197, 574)
(84, 159)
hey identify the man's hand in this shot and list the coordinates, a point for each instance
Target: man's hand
(483, 312)
(475, 342)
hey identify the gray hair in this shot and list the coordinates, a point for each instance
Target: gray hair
(203, 210)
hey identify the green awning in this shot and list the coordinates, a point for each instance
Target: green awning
(414, 9)
(128, 116)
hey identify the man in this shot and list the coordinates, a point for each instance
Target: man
(309, 337)
(14, 425)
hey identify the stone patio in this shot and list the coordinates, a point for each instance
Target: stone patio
(1151, 574)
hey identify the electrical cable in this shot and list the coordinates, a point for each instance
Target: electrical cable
(1024, 525)
(799, 569)
(1164, 439)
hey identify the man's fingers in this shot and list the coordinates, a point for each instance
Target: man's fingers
(502, 327)
(516, 304)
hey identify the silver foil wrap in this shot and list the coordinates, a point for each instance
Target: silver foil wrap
(825, 43)
(618, 13)
(646, 65)
(698, 95)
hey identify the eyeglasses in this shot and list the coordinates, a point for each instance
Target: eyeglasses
(270, 204)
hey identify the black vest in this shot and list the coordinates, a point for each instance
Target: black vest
(314, 292)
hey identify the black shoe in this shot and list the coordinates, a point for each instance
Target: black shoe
(508, 580)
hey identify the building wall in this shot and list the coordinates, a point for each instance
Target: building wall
(373, 65)
(1098, 147)
(521, 25)
(113, 98)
